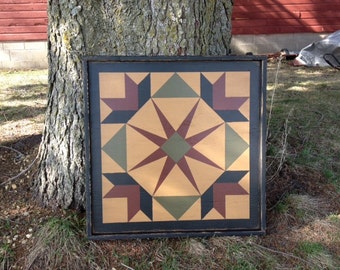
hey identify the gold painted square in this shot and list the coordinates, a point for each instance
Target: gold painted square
(115, 210)
(237, 206)
(112, 85)
(237, 84)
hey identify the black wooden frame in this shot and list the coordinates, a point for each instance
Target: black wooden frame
(95, 64)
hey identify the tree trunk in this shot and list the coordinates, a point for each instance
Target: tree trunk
(107, 27)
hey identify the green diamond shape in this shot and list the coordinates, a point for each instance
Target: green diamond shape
(176, 147)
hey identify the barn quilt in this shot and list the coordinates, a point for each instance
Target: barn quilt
(175, 147)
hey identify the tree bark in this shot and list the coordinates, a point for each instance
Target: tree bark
(108, 27)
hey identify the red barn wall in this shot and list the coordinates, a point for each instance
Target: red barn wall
(23, 20)
(255, 17)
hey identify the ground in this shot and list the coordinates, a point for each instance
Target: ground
(303, 202)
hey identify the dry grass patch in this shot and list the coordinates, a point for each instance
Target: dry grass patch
(22, 103)
(61, 244)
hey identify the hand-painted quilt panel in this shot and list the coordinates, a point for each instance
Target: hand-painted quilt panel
(175, 147)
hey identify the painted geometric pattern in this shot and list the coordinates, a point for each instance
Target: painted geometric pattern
(175, 146)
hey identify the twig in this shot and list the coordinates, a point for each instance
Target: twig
(128, 267)
(283, 253)
(274, 90)
(278, 201)
(321, 115)
(8, 219)
(20, 174)
(10, 148)
(284, 147)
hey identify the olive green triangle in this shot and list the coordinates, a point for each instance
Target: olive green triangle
(235, 146)
(177, 205)
(175, 87)
(116, 147)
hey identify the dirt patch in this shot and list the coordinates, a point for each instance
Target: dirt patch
(21, 215)
(15, 158)
(299, 181)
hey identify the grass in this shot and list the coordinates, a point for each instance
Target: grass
(22, 102)
(302, 159)
(61, 243)
(301, 209)
(309, 105)
(195, 253)
(317, 254)
(6, 255)
(310, 248)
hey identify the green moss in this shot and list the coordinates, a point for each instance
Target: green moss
(310, 248)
